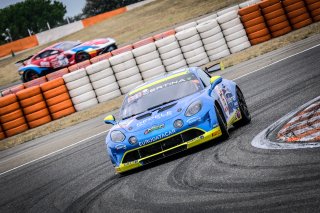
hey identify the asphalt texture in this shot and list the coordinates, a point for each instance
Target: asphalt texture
(228, 176)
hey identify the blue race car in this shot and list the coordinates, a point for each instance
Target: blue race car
(173, 113)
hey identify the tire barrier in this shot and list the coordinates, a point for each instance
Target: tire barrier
(192, 47)
(100, 58)
(12, 90)
(148, 59)
(207, 18)
(297, 13)
(314, 8)
(186, 26)
(34, 106)
(57, 98)
(35, 82)
(80, 89)
(227, 10)
(122, 50)
(11, 116)
(57, 74)
(103, 81)
(80, 65)
(213, 40)
(2, 135)
(248, 3)
(233, 31)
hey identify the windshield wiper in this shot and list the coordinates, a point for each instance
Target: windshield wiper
(153, 107)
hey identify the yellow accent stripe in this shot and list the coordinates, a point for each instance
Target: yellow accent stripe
(214, 78)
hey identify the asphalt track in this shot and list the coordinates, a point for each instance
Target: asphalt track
(229, 176)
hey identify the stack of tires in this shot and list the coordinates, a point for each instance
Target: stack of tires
(254, 23)
(80, 89)
(35, 82)
(57, 98)
(192, 47)
(227, 10)
(57, 74)
(100, 58)
(314, 8)
(213, 40)
(297, 13)
(11, 116)
(170, 51)
(275, 17)
(2, 135)
(12, 90)
(79, 66)
(148, 59)
(248, 3)
(207, 18)
(103, 81)
(186, 26)
(34, 106)
(126, 71)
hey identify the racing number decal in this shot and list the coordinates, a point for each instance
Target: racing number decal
(227, 99)
(223, 100)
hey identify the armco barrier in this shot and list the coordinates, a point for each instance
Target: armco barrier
(98, 18)
(18, 45)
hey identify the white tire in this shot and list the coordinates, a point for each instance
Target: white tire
(109, 96)
(74, 75)
(173, 60)
(83, 97)
(147, 57)
(103, 82)
(117, 59)
(86, 105)
(127, 73)
(215, 45)
(197, 58)
(206, 26)
(165, 41)
(191, 47)
(237, 41)
(233, 30)
(212, 39)
(230, 24)
(129, 80)
(236, 35)
(227, 17)
(100, 75)
(78, 83)
(200, 63)
(150, 65)
(245, 4)
(186, 33)
(128, 88)
(144, 49)
(207, 18)
(107, 89)
(164, 49)
(219, 55)
(218, 50)
(124, 66)
(211, 32)
(194, 52)
(240, 47)
(190, 40)
(186, 26)
(171, 54)
(227, 10)
(80, 90)
(153, 72)
(97, 67)
(176, 66)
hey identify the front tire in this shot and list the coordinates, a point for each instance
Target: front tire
(245, 115)
(30, 75)
(222, 124)
(82, 56)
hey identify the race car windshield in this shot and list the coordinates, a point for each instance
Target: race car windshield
(67, 45)
(158, 94)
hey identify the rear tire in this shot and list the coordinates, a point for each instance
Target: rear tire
(245, 115)
(222, 123)
(30, 75)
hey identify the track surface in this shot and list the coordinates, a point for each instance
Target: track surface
(227, 176)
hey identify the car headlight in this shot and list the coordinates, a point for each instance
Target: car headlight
(133, 140)
(193, 108)
(178, 123)
(117, 136)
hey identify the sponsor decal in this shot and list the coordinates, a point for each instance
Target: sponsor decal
(154, 128)
(197, 138)
(157, 137)
(130, 163)
(193, 120)
(155, 117)
(120, 146)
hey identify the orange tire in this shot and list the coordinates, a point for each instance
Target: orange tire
(315, 12)
(57, 74)
(302, 23)
(251, 16)
(58, 99)
(258, 34)
(80, 65)
(314, 6)
(63, 113)
(60, 106)
(256, 28)
(295, 6)
(100, 58)
(55, 92)
(9, 99)
(39, 122)
(29, 92)
(122, 50)
(6, 92)
(260, 40)
(298, 12)
(31, 101)
(164, 34)
(37, 115)
(311, 1)
(51, 84)
(274, 14)
(253, 22)
(279, 26)
(34, 108)
(2, 135)
(281, 32)
(11, 116)
(299, 18)
(35, 82)
(316, 18)
(17, 130)
(9, 108)
(143, 42)
(276, 20)
(272, 8)
(248, 10)
(289, 2)
(13, 124)
(268, 3)
(14, 89)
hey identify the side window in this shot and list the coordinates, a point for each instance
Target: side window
(205, 78)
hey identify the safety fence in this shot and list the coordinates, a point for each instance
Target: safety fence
(110, 75)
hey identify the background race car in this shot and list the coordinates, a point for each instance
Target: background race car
(61, 55)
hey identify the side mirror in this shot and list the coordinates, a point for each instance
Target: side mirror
(215, 80)
(110, 119)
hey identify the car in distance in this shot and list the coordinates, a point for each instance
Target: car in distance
(61, 55)
(173, 113)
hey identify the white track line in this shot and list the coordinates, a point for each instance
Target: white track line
(59, 150)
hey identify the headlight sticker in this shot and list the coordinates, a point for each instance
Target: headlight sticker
(153, 128)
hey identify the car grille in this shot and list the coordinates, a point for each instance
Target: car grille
(162, 146)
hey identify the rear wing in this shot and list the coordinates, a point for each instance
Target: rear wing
(21, 62)
(214, 68)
